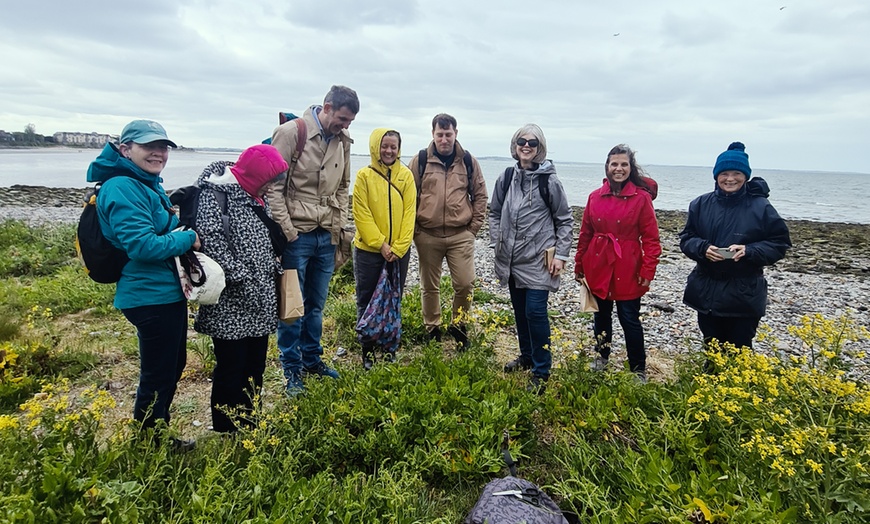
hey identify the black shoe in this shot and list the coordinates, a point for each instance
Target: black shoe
(537, 385)
(435, 334)
(368, 357)
(320, 369)
(389, 357)
(517, 364)
(460, 335)
(181, 446)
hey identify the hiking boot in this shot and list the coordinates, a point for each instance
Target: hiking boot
(389, 357)
(320, 369)
(181, 445)
(640, 377)
(295, 386)
(537, 385)
(460, 335)
(435, 334)
(599, 364)
(517, 364)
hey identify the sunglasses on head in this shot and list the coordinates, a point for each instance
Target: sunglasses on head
(532, 143)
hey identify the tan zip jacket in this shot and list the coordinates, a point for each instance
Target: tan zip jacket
(317, 193)
(444, 208)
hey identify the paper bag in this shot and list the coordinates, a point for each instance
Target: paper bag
(290, 305)
(588, 302)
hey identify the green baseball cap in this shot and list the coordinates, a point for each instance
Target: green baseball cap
(144, 132)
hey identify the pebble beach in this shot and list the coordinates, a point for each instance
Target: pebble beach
(826, 272)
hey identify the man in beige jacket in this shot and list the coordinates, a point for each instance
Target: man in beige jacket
(451, 210)
(311, 208)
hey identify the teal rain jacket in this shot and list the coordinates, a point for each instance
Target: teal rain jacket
(135, 216)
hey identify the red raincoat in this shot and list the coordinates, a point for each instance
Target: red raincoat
(619, 242)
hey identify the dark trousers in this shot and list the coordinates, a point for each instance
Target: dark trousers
(237, 379)
(162, 332)
(737, 330)
(533, 327)
(628, 312)
(367, 267)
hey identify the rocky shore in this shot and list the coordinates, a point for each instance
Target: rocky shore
(827, 271)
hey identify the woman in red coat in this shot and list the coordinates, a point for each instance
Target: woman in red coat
(618, 252)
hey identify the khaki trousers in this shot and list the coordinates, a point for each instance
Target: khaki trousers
(459, 251)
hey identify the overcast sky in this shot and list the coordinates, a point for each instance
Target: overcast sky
(677, 80)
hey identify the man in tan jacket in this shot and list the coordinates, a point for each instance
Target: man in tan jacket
(311, 207)
(451, 210)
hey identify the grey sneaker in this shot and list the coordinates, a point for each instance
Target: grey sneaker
(640, 376)
(599, 364)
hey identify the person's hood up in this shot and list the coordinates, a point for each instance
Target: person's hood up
(375, 149)
(257, 166)
(111, 163)
(753, 187)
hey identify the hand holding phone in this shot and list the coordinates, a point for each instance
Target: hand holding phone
(726, 253)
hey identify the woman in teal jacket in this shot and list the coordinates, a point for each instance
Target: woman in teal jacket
(135, 216)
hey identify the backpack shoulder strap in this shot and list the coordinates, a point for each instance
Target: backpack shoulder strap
(544, 188)
(422, 158)
(301, 138)
(469, 169)
(221, 198)
(506, 182)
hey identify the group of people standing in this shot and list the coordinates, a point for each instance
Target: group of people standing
(297, 189)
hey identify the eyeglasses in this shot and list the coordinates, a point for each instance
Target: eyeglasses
(532, 143)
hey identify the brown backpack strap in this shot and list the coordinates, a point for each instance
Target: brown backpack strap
(301, 138)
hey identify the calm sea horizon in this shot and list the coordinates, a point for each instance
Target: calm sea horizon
(808, 195)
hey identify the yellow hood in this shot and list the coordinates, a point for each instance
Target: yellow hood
(375, 148)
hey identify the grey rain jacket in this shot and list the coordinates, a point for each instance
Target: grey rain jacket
(522, 226)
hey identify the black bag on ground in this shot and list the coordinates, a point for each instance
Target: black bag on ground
(512, 500)
(103, 262)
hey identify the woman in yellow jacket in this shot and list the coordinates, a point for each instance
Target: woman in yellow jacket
(384, 209)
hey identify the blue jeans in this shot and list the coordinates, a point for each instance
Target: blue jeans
(162, 332)
(628, 312)
(313, 257)
(533, 327)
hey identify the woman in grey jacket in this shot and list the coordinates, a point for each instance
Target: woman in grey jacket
(529, 215)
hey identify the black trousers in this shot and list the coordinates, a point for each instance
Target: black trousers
(237, 379)
(628, 312)
(737, 330)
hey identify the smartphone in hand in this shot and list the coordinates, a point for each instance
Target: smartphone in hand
(726, 253)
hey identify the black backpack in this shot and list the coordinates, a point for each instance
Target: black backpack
(543, 185)
(187, 200)
(103, 262)
(423, 157)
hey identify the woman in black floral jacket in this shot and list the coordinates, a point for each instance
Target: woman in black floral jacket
(232, 221)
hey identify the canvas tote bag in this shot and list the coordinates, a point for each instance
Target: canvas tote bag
(290, 305)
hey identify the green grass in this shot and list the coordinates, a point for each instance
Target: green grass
(416, 441)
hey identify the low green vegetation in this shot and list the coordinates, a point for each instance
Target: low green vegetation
(757, 440)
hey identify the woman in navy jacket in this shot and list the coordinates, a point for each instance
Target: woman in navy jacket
(732, 233)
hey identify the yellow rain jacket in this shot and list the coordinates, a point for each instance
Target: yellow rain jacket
(384, 202)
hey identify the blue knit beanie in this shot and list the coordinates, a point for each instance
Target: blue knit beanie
(735, 159)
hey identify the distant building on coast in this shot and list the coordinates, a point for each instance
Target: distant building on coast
(83, 139)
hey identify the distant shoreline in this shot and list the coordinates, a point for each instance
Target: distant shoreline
(818, 247)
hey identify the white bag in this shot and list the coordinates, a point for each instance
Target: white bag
(202, 279)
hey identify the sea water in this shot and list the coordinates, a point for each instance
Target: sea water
(808, 195)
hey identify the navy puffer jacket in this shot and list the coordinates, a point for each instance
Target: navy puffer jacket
(728, 288)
